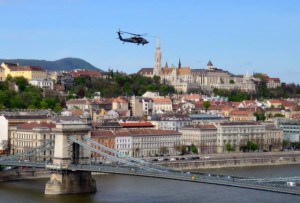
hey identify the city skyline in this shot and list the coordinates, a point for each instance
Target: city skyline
(252, 36)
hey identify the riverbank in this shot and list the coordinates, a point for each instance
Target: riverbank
(21, 174)
(231, 160)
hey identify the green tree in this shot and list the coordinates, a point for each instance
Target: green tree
(2, 106)
(163, 150)
(206, 105)
(252, 146)
(17, 102)
(285, 143)
(229, 147)
(79, 80)
(21, 82)
(260, 116)
(194, 149)
(44, 105)
(156, 79)
(4, 98)
(57, 108)
(81, 91)
(278, 115)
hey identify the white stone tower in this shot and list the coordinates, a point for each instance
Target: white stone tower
(157, 66)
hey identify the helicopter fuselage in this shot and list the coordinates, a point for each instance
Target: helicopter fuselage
(135, 39)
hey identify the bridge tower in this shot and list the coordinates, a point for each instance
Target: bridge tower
(62, 180)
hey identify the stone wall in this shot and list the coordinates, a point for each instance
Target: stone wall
(235, 161)
(20, 174)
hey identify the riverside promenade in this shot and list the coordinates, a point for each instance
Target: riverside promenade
(234, 160)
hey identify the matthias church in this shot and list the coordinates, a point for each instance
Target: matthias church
(185, 79)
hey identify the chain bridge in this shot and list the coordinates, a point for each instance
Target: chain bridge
(71, 166)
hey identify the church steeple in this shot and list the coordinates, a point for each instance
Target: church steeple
(157, 66)
(179, 64)
(166, 66)
(210, 65)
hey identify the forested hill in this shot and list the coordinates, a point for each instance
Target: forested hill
(58, 65)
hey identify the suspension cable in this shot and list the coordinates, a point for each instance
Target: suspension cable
(112, 157)
(125, 156)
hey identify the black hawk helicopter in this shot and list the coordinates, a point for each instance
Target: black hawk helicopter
(136, 38)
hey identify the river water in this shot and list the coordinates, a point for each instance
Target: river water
(131, 189)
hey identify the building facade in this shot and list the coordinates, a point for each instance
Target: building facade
(31, 135)
(28, 72)
(204, 137)
(238, 134)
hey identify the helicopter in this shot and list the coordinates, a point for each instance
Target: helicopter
(136, 38)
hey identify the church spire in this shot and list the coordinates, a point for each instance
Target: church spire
(166, 66)
(210, 65)
(179, 64)
(157, 66)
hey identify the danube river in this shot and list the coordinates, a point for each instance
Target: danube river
(118, 188)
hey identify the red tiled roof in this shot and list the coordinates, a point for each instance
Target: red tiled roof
(273, 80)
(286, 103)
(26, 68)
(89, 73)
(119, 100)
(239, 113)
(147, 132)
(275, 101)
(135, 132)
(192, 96)
(104, 133)
(235, 104)
(77, 112)
(141, 124)
(162, 100)
(30, 126)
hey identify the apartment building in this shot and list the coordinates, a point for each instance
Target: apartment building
(204, 137)
(30, 135)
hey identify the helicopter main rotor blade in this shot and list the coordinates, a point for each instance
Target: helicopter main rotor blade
(134, 33)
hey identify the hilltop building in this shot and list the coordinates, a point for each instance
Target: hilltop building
(28, 72)
(184, 79)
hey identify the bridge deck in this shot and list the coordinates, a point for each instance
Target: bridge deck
(278, 185)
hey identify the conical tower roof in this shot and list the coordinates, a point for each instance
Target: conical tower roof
(209, 63)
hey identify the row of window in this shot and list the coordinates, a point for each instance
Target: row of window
(32, 136)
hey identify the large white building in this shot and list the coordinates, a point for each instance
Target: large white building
(31, 135)
(204, 137)
(45, 83)
(213, 138)
(147, 142)
(170, 122)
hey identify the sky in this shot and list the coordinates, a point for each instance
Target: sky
(238, 36)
